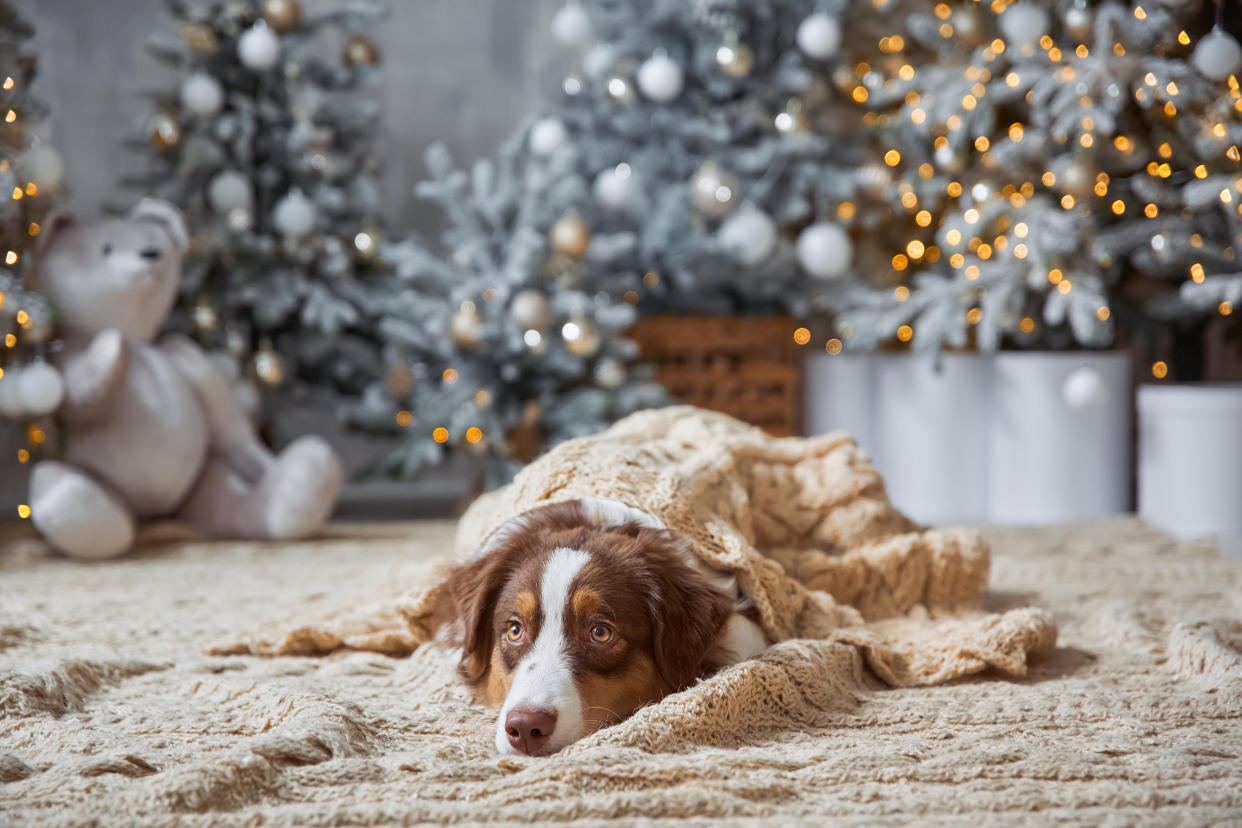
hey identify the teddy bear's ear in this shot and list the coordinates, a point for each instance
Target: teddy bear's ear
(53, 223)
(167, 216)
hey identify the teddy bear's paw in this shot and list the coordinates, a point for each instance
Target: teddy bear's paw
(301, 488)
(77, 515)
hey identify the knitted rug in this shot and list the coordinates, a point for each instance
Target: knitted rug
(111, 713)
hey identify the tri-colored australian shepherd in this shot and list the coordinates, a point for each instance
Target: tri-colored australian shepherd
(572, 616)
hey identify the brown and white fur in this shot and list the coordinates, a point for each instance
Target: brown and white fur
(572, 616)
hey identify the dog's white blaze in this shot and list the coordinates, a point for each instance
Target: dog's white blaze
(616, 513)
(542, 679)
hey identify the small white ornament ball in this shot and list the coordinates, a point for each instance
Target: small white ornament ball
(1083, 388)
(571, 26)
(609, 372)
(819, 36)
(825, 250)
(1078, 22)
(229, 190)
(546, 135)
(1218, 55)
(40, 388)
(1024, 24)
(617, 187)
(750, 235)
(258, 48)
(530, 310)
(42, 165)
(11, 404)
(202, 94)
(660, 78)
(294, 214)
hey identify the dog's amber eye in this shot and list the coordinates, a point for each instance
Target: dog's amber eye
(514, 632)
(601, 634)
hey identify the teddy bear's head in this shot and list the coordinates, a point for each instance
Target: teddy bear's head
(113, 273)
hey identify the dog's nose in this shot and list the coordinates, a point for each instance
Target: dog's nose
(529, 729)
(150, 253)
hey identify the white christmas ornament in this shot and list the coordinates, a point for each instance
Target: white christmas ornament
(750, 235)
(546, 135)
(42, 165)
(825, 250)
(40, 388)
(660, 78)
(1024, 24)
(617, 187)
(571, 26)
(1218, 55)
(530, 310)
(10, 401)
(294, 214)
(201, 94)
(229, 190)
(1083, 388)
(258, 48)
(819, 36)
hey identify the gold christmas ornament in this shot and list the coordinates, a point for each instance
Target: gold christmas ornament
(164, 131)
(581, 336)
(734, 58)
(200, 38)
(713, 190)
(205, 318)
(1076, 179)
(359, 51)
(269, 365)
(571, 236)
(464, 327)
(282, 15)
(400, 380)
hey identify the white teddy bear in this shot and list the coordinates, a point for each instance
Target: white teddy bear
(150, 429)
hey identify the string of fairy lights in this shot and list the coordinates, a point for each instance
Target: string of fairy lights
(1085, 165)
(30, 172)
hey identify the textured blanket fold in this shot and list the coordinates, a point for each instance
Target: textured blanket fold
(803, 524)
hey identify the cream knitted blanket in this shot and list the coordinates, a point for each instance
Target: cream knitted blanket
(803, 524)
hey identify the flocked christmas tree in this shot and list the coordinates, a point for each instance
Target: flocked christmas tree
(267, 145)
(507, 345)
(1065, 173)
(717, 166)
(266, 142)
(30, 173)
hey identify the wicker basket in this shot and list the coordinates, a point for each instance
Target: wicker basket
(747, 368)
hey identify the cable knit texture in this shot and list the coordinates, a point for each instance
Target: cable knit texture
(803, 524)
(111, 714)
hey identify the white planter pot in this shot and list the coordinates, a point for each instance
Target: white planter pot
(931, 431)
(839, 395)
(1059, 437)
(1190, 459)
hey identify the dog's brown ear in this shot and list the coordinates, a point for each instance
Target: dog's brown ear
(687, 615)
(468, 597)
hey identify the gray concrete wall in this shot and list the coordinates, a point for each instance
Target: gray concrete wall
(460, 71)
(464, 72)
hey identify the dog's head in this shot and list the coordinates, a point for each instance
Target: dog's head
(573, 616)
